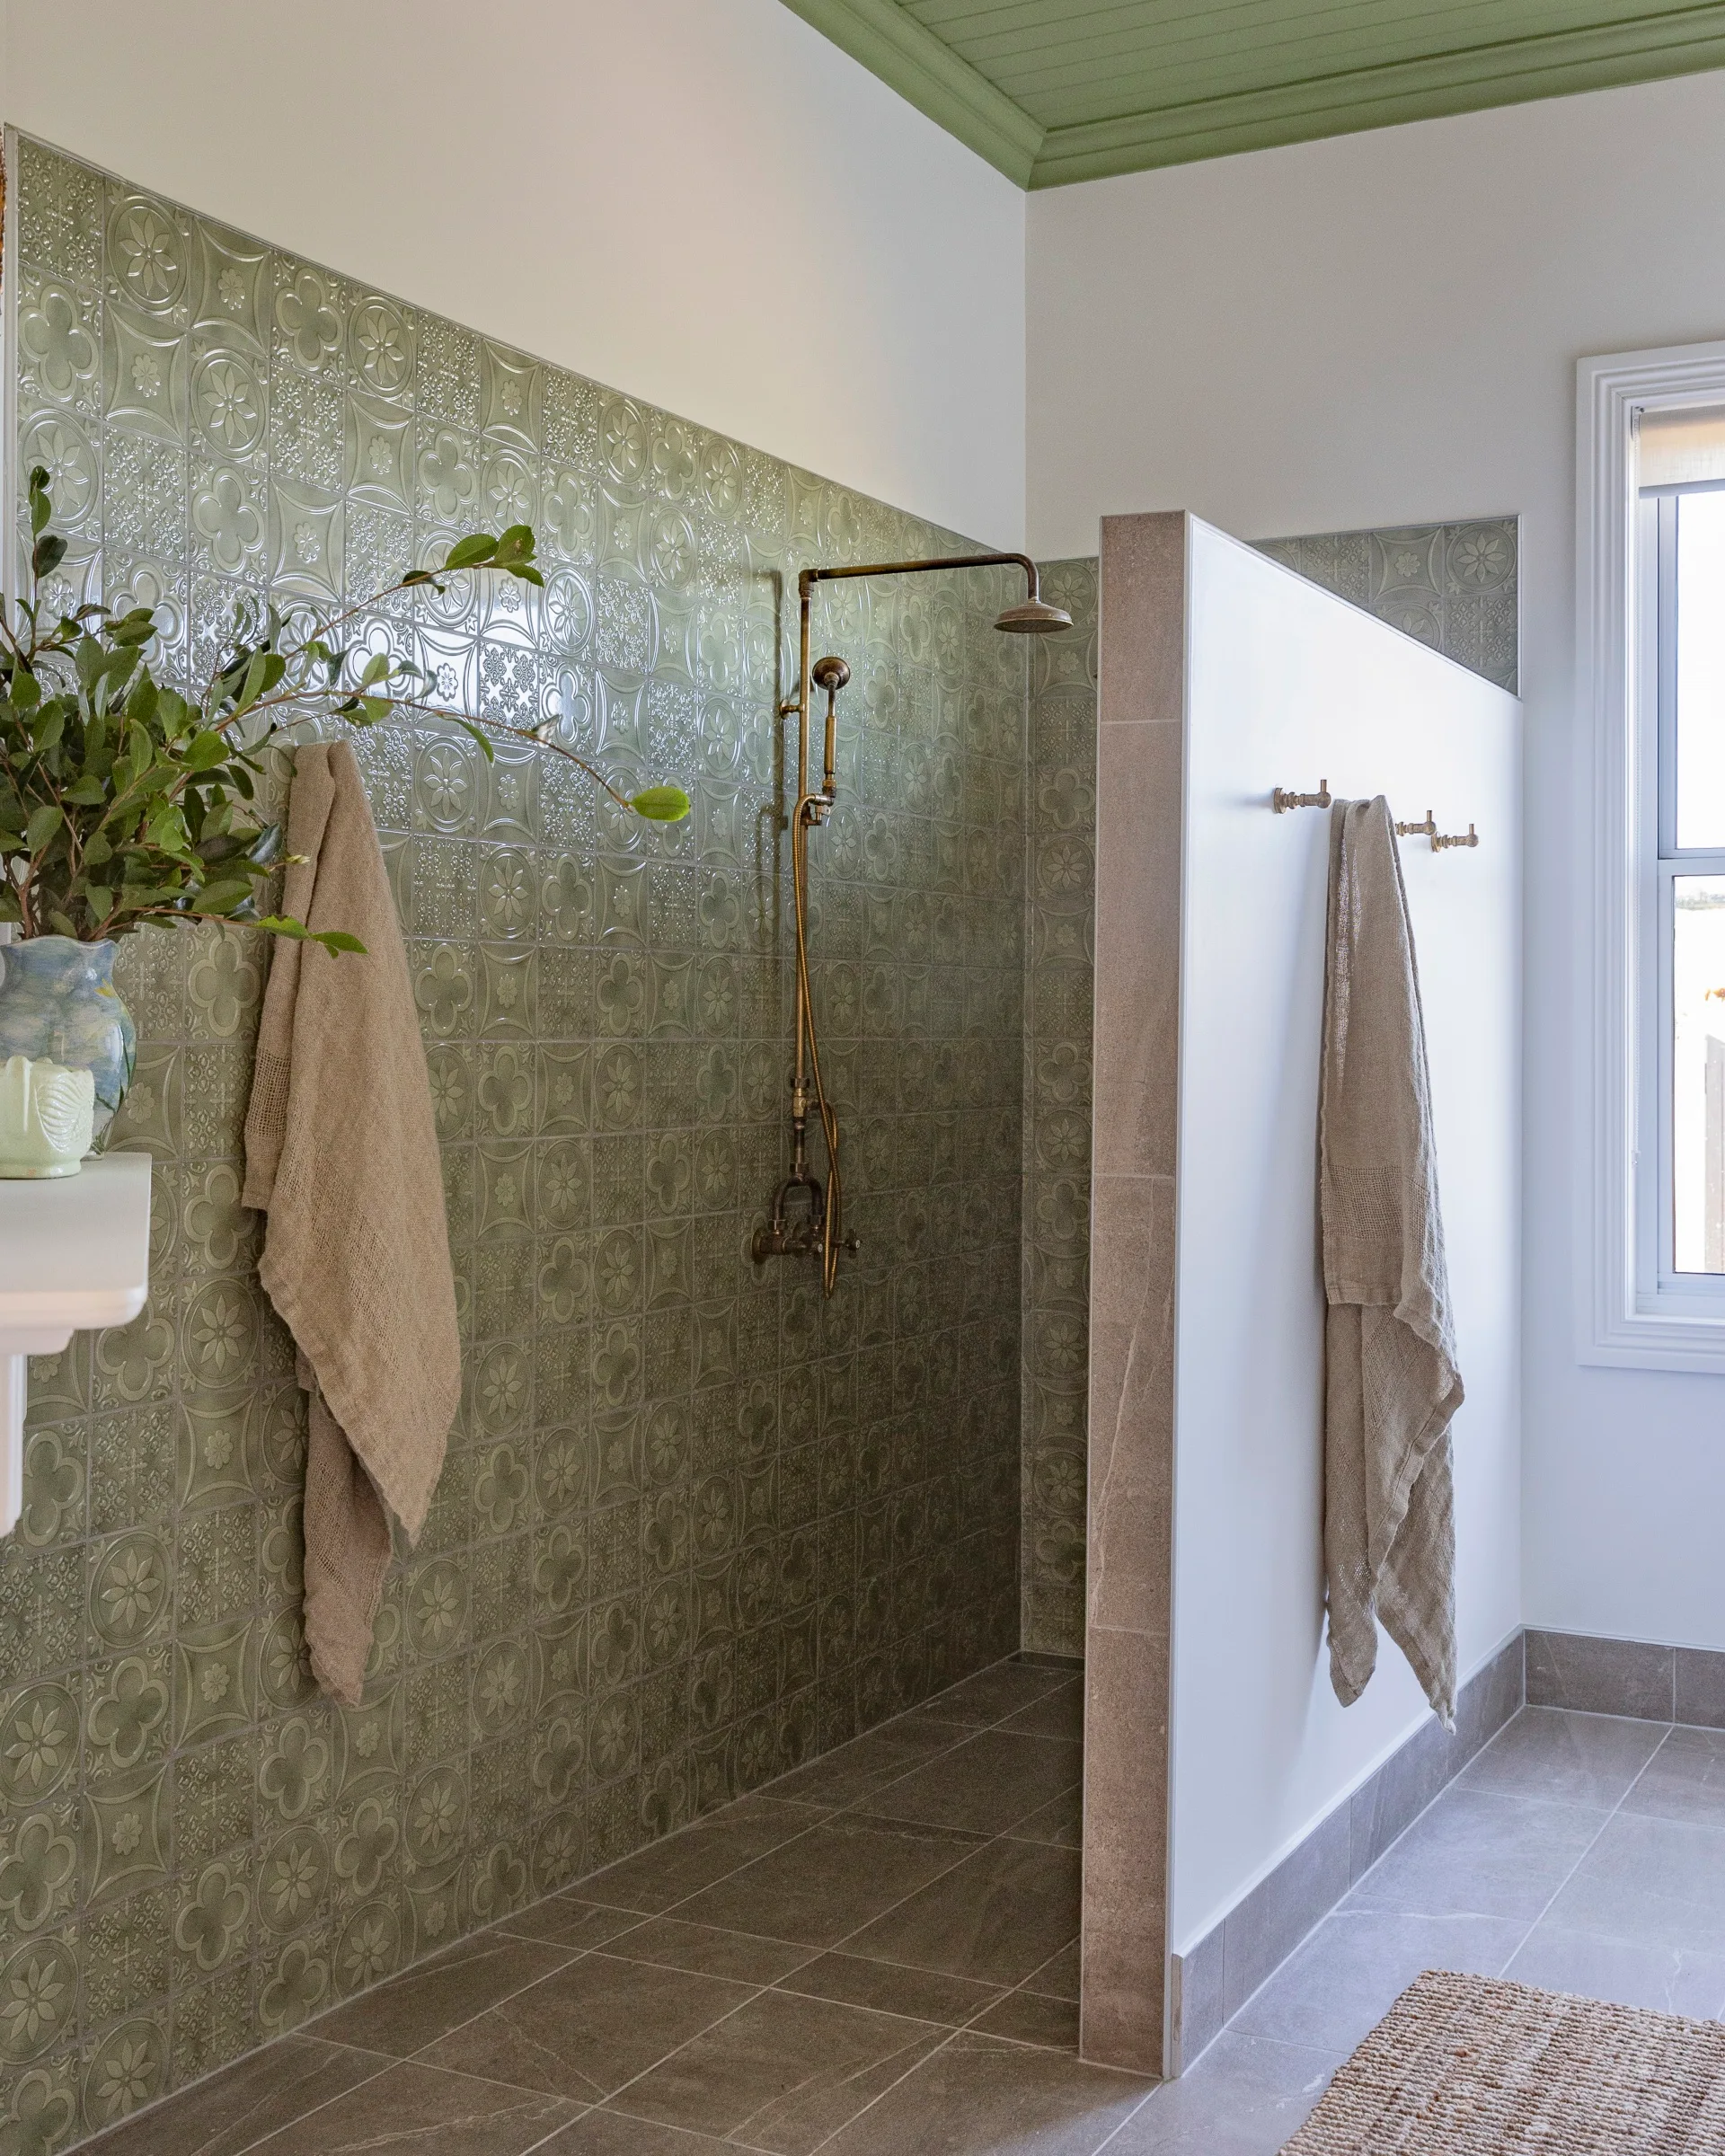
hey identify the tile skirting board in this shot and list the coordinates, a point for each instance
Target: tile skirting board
(1629, 1677)
(1210, 1984)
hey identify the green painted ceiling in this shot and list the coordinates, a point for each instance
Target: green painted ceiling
(1052, 91)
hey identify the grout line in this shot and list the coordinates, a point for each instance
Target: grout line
(287, 2036)
(934, 2052)
(1593, 1844)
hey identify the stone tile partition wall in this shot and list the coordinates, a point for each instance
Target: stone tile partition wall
(695, 1525)
(1141, 702)
(1453, 585)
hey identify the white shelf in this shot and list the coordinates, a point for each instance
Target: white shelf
(75, 1253)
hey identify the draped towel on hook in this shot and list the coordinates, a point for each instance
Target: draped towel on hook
(1391, 1381)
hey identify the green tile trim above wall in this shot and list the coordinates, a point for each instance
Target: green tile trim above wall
(696, 1524)
(1051, 91)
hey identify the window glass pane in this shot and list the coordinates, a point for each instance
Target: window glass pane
(1701, 670)
(1698, 1073)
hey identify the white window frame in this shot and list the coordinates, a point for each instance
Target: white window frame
(1634, 1314)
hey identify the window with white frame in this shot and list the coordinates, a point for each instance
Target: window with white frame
(1651, 610)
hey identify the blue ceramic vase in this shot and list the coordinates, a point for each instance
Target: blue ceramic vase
(57, 1004)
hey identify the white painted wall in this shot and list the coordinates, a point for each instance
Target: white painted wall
(1286, 684)
(1382, 329)
(701, 202)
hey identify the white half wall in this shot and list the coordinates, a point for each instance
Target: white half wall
(701, 202)
(1285, 685)
(1378, 329)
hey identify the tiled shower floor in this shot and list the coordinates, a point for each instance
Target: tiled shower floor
(876, 1957)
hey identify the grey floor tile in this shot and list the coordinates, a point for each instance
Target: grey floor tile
(1672, 1980)
(564, 1922)
(614, 2133)
(986, 1785)
(1651, 1883)
(1001, 1914)
(416, 2110)
(594, 2026)
(1058, 1978)
(1057, 1713)
(1247, 2096)
(977, 2096)
(994, 1693)
(848, 1774)
(889, 1987)
(672, 1944)
(1474, 1852)
(1061, 1821)
(1585, 1759)
(1332, 1990)
(1028, 2018)
(1684, 1780)
(231, 2110)
(782, 2072)
(683, 1863)
(415, 2008)
(814, 1890)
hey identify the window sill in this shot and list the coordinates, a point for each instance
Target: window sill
(1650, 1341)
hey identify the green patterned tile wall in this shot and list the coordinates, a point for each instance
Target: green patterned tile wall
(1454, 587)
(1060, 946)
(695, 1524)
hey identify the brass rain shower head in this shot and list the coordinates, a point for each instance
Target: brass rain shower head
(1034, 617)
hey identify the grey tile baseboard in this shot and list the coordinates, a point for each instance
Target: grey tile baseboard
(1630, 1677)
(1210, 1984)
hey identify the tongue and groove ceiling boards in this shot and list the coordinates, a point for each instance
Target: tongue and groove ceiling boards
(1053, 91)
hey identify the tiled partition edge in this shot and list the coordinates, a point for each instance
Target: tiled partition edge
(1209, 1985)
(1135, 1124)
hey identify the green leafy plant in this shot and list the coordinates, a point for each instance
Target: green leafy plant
(123, 801)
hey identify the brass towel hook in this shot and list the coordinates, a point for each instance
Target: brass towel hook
(1428, 829)
(1281, 800)
(1440, 841)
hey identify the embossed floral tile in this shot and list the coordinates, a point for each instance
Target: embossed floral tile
(695, 1524)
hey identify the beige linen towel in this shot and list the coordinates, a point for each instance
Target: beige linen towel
(341, 1153)
(1390, 1384)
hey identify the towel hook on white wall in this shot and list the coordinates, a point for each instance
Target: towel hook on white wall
(1281, 800)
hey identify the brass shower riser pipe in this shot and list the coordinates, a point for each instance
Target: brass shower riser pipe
(823, 1235)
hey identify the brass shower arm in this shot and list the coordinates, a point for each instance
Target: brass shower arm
(811, 576)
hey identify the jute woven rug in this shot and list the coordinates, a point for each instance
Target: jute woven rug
(1473, 2066)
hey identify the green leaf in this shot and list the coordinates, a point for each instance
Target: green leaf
(468, 727)
(661, 804)
(43, 824)
(47, 553)
(469, 552)
(223, 896)
(334, 939)
(205, 750)
(86, 793)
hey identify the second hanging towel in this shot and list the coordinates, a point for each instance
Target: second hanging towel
(1391, 1381)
